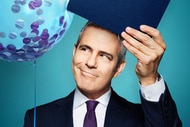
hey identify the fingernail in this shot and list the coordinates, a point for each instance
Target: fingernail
(128, 28)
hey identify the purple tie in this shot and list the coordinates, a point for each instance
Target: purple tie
(90, 118)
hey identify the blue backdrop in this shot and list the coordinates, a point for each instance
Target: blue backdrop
(54, 75)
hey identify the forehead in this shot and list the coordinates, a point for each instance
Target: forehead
(100, 39)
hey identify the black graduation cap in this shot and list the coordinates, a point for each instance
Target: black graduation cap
(116, 15)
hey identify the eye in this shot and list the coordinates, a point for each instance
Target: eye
(84, 49)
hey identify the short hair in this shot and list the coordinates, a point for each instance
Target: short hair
(123, 50)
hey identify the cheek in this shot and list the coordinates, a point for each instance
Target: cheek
(77, 58)
(108, 70)
(77, 63)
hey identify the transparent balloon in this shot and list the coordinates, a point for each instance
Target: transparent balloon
(29, 28)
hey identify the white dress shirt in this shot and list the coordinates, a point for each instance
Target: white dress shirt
(79, 108)
(150, 93)
(154, 91)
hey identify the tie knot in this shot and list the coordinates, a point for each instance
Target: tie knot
(91, 105)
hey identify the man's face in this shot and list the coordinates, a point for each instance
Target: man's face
(95, 61)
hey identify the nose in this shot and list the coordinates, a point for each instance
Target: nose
(92, 61)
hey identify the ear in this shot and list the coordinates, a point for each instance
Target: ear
(120, 68)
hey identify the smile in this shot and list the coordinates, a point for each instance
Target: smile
(88, 74)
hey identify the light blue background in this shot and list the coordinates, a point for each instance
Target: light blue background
(54, 75)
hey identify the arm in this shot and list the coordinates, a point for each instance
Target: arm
(158, 106)
(162, 113)
(148, 46)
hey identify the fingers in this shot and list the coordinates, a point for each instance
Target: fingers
(134, 46)
(154, 33)
(145, 41)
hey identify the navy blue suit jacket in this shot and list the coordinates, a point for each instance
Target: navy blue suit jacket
(120, 113)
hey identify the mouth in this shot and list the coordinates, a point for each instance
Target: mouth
(88, 74)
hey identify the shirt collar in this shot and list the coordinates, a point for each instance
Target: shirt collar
(80, 99)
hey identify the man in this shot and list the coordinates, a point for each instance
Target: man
(99, 56)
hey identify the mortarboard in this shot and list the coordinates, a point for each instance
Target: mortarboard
(116, 15)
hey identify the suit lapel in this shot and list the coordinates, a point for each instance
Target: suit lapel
(63, 115)
(118, 112)
(121, 113)
(114, 111)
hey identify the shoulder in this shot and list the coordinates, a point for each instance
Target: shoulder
(53, 105)
(118, 101)
(47, 114)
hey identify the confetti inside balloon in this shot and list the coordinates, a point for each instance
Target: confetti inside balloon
(29, 28)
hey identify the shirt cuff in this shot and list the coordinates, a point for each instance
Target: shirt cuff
(153, 92)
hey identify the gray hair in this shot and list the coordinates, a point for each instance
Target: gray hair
(123, 50)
